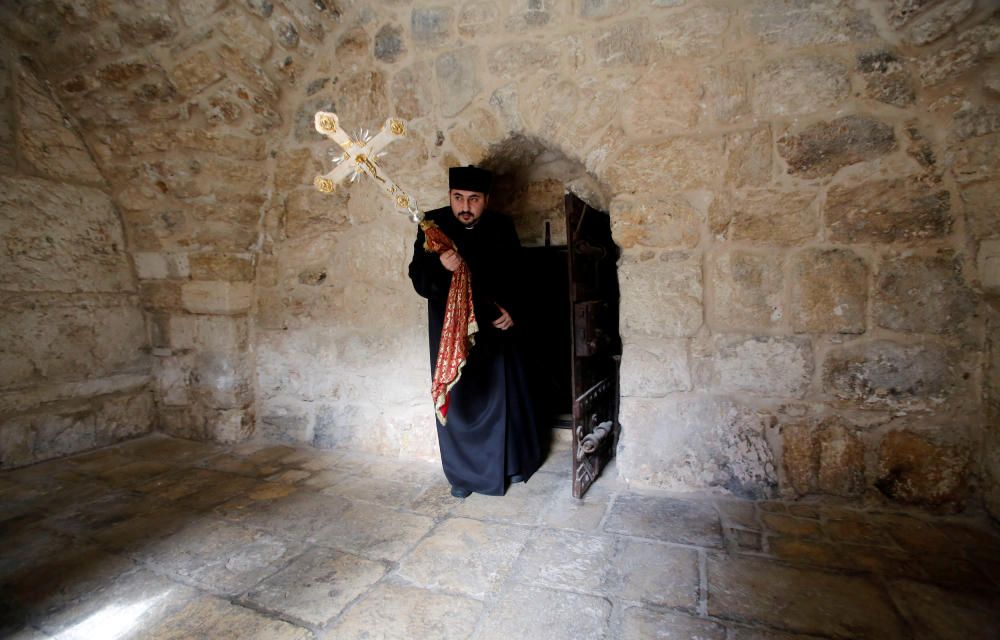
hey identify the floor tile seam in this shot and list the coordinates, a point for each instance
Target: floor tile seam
(398, 508)
(670, 543)
(337, 619)
(243, 600)
(394, 577)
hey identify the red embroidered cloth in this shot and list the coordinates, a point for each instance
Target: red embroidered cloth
(458, 332)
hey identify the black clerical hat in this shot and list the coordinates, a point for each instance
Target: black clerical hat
(470, 178)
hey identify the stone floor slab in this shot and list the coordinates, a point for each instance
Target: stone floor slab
(463, 555)
(800, 600)
(317, 585)
(435, 501)
(655, 573)
(197, 488)
(639, 623)
(544, 613)
(401, 612)
(46, 587)
(135, 601)
(373, 531)
(663, 518)
(565, 560)
(381, 491)
(222, 557)
(142, 529)
(298, 514)
(522, 504)
(211, 617)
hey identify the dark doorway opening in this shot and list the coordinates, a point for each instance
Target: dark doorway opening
(570, 271)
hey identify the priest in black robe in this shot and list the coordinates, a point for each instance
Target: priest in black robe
(491, 436)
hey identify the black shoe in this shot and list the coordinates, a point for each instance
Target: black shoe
(459, 492)
(517, 477)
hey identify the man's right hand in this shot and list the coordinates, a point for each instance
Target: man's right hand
(451, 260)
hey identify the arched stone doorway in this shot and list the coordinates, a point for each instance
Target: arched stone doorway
(561, 217)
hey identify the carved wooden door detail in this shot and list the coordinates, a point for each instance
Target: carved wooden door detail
(596, 345)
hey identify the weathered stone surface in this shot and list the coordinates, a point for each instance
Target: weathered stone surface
(797, 23)
(211, 617)
(463, 555)
(773, 366)
(666, 98)
(668, 222)
(800, 600)
(531, 14)
(197, 72)
(969, 50)
(825, 147)
(389, 46)
(727, 92)
(746, 290)
(673, 165)
(316, 587)
(749, 157)
(411, 92)
(938, 21)
(559, 615)
(397, 610)
(666, 519)
(765, 216)
(44, 137)
(654, 368)
(221, 556)
(521, 500)
(824, 458)
(887, 375)
(361, 100)
(285, 33)
(886, 80)
(895, 210)
(800, 85)
(655, 573)
(49, 250)
(661, 297)
(65, 342)
(693, 32)
(916, 470)
(242, 33)
(565, 560)
(431, 26)
(976, 159)
(923, 294)
(643, 624)
(625, 44)
(988, 265)
(829, 291)
(216, 297)
(457, 81)
(518, 59)
(686, 442)
(970, 121)
(478, 17)
(221, 266)
(602, 8)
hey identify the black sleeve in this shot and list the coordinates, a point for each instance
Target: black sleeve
(430, 279)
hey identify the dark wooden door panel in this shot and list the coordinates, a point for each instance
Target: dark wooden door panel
(596, 344)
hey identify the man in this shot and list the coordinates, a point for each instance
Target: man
(490, 438)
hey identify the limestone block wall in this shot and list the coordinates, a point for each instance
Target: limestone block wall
(804, 193)
(74, 358)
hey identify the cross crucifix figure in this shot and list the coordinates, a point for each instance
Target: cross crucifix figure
(360, 156)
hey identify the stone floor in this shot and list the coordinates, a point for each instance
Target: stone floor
(160, 538)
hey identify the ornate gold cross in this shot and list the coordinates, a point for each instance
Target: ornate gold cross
(360, 156)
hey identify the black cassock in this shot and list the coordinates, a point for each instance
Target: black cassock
(492, 428)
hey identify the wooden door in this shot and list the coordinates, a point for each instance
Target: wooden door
(596, 345)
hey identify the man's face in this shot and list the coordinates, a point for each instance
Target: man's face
(467, 205)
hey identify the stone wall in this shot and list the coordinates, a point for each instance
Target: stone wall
(804, 193)
(75, 368)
